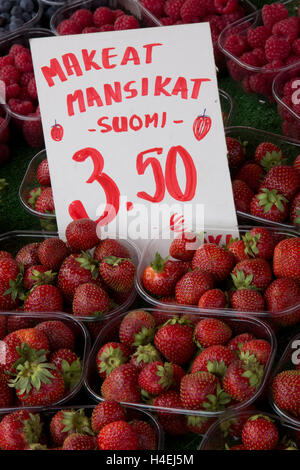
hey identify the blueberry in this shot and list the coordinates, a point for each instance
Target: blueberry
(5, 6)
(26, 16)
(17, 11)
(27, 5)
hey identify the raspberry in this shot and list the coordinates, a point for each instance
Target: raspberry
(260, 55)
(250, 59)
(12, 91)
(235, 44)
(237, 72)
(246, 84)
(166, 21)
(4, 130)
(9, 74)
(6, 60)
(234, 16)
(257, 36)
(106, 27)
(126, 22)
(287, 29)
(156, 7)
(33, 132)
(273, 13)
(32, 89)
(68, 27)
(277, 48)
(258, 83)
(20, 107)
(296, 46)
(25, 78)
(191, 11)
(224, 7)
(216, 22)
(23, 61)
(103, 15)
(172, 9)
(23, 94)
(292, 59)
(16, 49)
(118, 13)
(4, 153)
(83, 18)
(90, 29)
(289, 87)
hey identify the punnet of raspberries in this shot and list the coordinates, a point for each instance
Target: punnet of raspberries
(258, 272)
(41, 359)
(107, 426)
(257, 52)
(184, 362)
(286, 91)
(253, 430)
(104, 18)
(265, 181)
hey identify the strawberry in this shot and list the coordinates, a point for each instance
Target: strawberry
(82, 235)
(284, 179)
(8, 269)
(268, 155)
(242, 195)
(236, 343)
(118, 273)
(175, 341)
(285, 388)
(156, 377)
(68, 363)
(118, 436)
(137, 328)
(213, 298)
(59, 335)
(199, 424)
(156, 278)
(174, 424)
(90, 300)
(6, 393)
(273, 13)
(178, 374)
(20, 430)
(52, 252)
(122, 384)
(3, 326)
(192, 286)
(44, 298)
(235, 152)
(295, 210)
(66, 422)
(238, 249)
(77, 441)
(259, 348)
(5, 254)
(43, 174)
(252, 273)
(110, 356)
(33, 338)
(202, 391)
(286, 259)
(260, 433)
(214, 359)
(269, 205)
(282, 294)
(259, 243)
(251, 174)
(247, 300)
(110, 247)
(37, 275)
(126, 22)
(182, 247)
(213, 259)
(108, 411)
(242, 381)
(210, 332)
(18, 322)
(45, 203)
(144, 355)
(146, 435)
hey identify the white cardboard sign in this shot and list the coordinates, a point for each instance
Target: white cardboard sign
(133, 127)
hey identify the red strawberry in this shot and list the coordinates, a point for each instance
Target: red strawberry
(175, 341)
(144, 355)
(59, 335)
(284, 179)
(81, 234)
(268, 155)
(8, 269)
(118, 436)
(110, 356)
(43, 174)
(122, 384)
(3, 326)
(269, 205)
(295, 211)
(33, 338)
(68, 363)
(192, 286)
(118, 273)
(6, 393)
(199, 424)
(77, 441)
(241, 381)
(156, 377)
(236, 343)
(146, 435)
(52, 252)
(201, 391)
(213, 259)
(259, 348)
(18, 322)
(37, 275)
(126, 22)
(251, 174)
(213, 298)
(210, 332)
(90, 300)
(20, 430)
(110, 247)
(45, 203)
(137, 328)
(247, 300)
(214, 359)
(66, 422)
(235, 152)
(252, 273)
(285, 388)
(108, 411)
(260, 243)
(286, 259)
(182, 247)
(174, 424)
(44, 298)
(238, 249)
(260, 433)
(273, 13)
(282, 294)
(160, 277)
(242, 195)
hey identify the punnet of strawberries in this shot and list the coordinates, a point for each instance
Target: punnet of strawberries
(259, 48)
(41, 359)
(39, 196)
(107, 426)
(184, 363)
(85, 276)
(251, 430)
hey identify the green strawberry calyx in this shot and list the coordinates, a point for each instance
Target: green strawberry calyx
(71, 373)
(196, 421)
(110, 359)
(32, 429)
(37, 446)
(225, 426)
(16, 288)
(241, 281)
(165, 373)
(261, 416)
(217, 368)
(296, 220)
(272, 159)
(250, 242)
(248, 358)
(268, 199)
(86, 261)
(114, 260)
(39, 278)
(34, 194)
(178, 321)
(159, 263)
(146, 354)
(254, 373)
(147, 397)
(218, 401)
(76, 422)
(144, 336)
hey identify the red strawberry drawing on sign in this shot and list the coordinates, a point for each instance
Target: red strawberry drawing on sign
(201, 126)
(57, 132)
(177, 223)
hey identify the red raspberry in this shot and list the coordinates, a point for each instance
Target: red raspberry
(67, 27)
(260, 55)
(25, 78)
(250, 59)
(12, 91)
(166, 21)
(156, 7)
(4, 130)
(126, 22)
(246, 84)
(277, 48)
(258, 83)
(237, 72)
(103, 15)
(118, 13)
(289, 88)
(32, 89)
(191, 11)
(236, 44)
(172, 9)
(24, 95)
(83, 18)
(287, 29)
(216, 22)
(16, 49)
(33, 132)
(23, 61)
(106, 27)
(273, 13)
(234, 16)
(6, 60)
(257, 36)
(90, 29)
(9, 74)
(224, 7)
(4, 153)
(292, 59)
(20, 107)
(296, 46)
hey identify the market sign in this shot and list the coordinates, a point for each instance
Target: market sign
(133, 130)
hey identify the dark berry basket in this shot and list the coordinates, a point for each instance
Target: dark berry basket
(38, 11)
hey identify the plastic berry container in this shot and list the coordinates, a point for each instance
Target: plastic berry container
(38, 11)
(82, 348)
(214, 439)
(245, 73)
(238, 326)
(290, 148)
(15, 240)
(227, 107)
(290, 119)
(132, 7)
(286, 362)
(21, 122)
